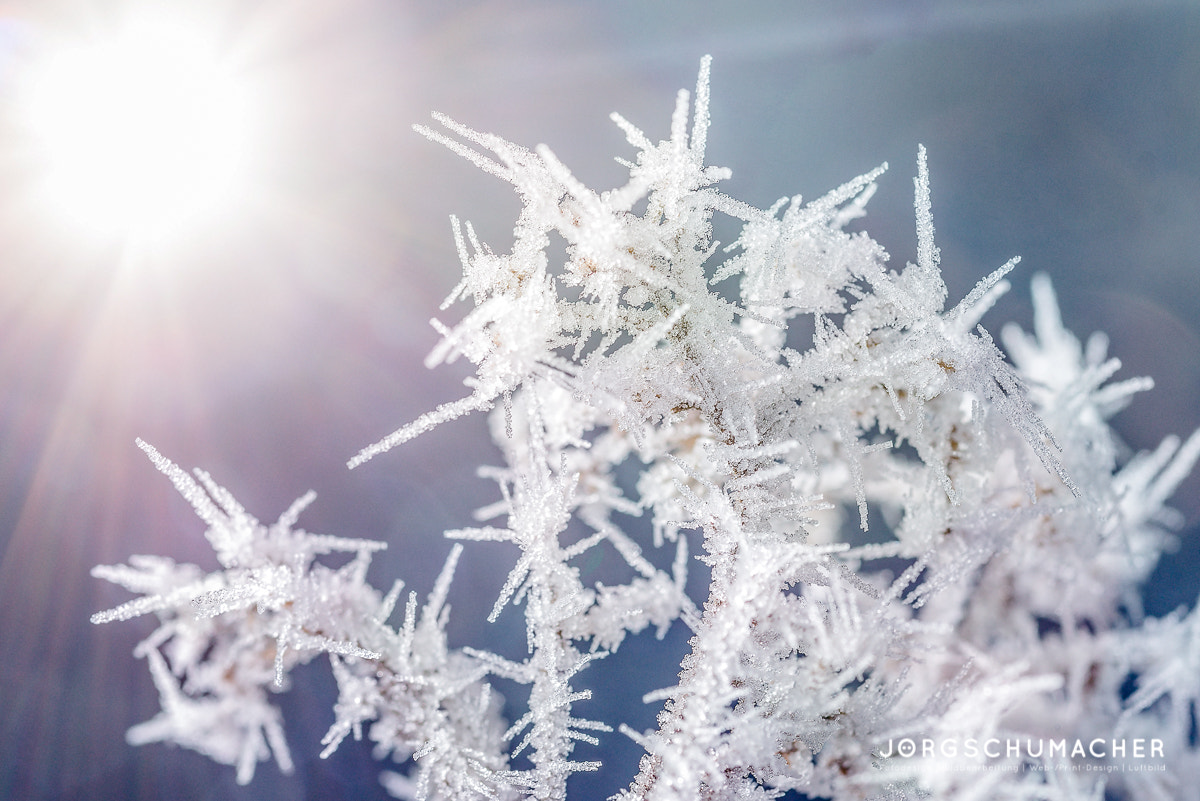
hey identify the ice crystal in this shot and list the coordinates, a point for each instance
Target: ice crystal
(1000, 605)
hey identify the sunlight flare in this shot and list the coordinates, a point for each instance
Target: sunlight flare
(142, 132)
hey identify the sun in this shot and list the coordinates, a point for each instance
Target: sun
(145, 131)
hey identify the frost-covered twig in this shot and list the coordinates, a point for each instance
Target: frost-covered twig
(909, 537)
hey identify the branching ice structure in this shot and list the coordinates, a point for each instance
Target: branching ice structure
(1019, 537)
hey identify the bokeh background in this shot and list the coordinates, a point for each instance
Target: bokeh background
(268, 345)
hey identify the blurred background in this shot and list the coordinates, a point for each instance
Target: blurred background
(256, 303)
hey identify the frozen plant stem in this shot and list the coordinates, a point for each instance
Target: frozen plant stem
(1000, 602)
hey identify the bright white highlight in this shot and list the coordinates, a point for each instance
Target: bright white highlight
(142, 133)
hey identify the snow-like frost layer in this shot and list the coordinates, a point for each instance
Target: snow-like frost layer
(1019, 538)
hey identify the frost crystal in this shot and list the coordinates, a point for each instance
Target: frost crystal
(979, 644)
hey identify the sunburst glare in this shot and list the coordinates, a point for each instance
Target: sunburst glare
(145, 131)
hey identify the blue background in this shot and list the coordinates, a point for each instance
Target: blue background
(271, 349)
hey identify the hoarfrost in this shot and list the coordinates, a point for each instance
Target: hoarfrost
(1020, 539)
